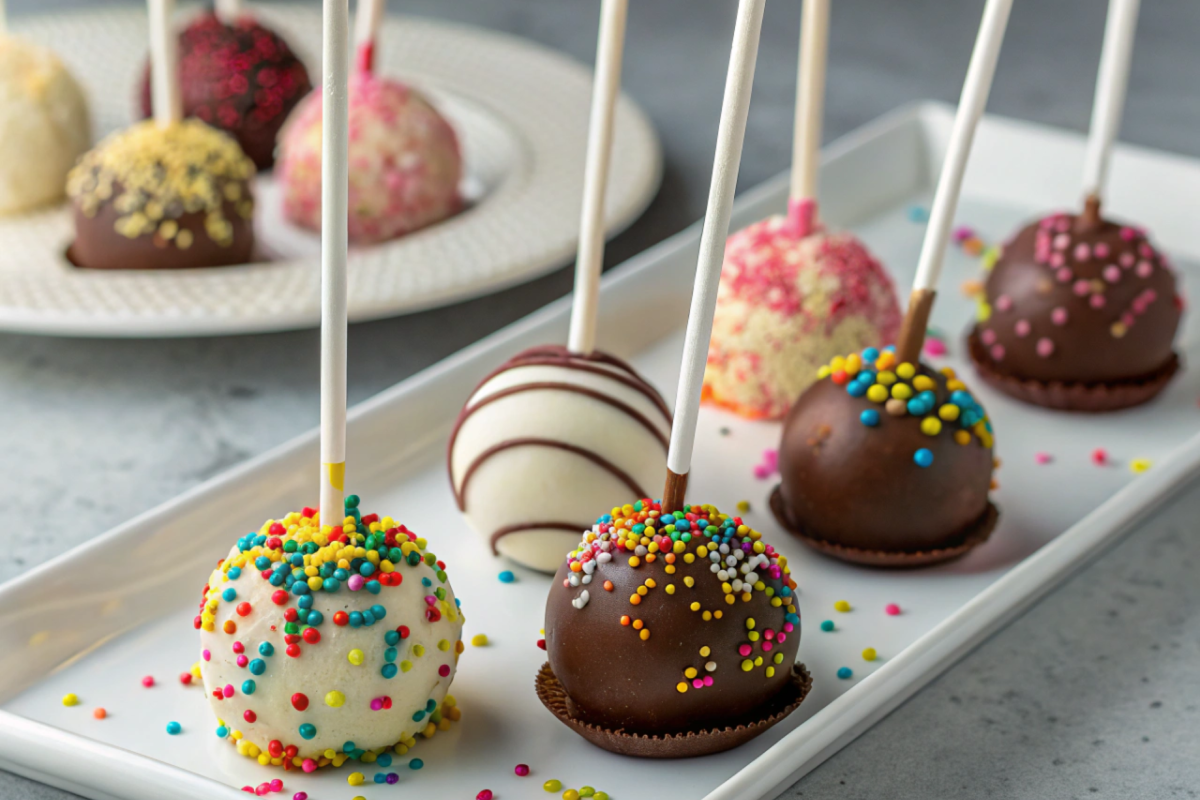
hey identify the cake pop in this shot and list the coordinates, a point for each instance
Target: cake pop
(151, 197)
(43, 124)
(556, 433)
(663, 625)
(792, 293)
(405, 163)
(320, 643)
(546, 439)
(239, 76)
(885, 461)
(1080, 312)
(164, 193)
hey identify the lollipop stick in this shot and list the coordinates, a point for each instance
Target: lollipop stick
(1111, 83)
(3, 18)
(590, 258)
(228, 11)
(164, 64)
(335, 190)
(367, 19)
(810, 105)
(730, 135)
(945, 200)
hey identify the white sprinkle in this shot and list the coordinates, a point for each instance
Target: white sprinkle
(604, 558)
(738, 585)
(581, 600)
(711, 666)
(723, 575)
(587, 579)
(731, 561)
(589, 567)
(751, 578)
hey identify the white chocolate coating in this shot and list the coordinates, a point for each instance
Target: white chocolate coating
(44, 125)
(425, 662)
(588, 453)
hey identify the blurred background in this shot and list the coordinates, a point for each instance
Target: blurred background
(94, 431)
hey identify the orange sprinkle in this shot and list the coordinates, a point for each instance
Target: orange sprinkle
(638, 624)
(625, 619)
(669, 558)
(576, 566)
(608, 587)
(230, 626)
(635, 598)
(650, 558)
(99, 713)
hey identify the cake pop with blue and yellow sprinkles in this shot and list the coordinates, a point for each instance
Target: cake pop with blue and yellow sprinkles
(324, 643)
(887, 463)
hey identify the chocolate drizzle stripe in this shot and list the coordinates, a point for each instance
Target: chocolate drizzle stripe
(522, 527)
(561, 387)
(460, 493)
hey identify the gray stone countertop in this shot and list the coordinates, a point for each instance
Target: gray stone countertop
(1093, 693)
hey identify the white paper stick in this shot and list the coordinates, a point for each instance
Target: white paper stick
(228, 11)
(368, 17)
(589, 260)
(164, 64)
(1111, 82)
(810, 100)
(335, 189)
(975, 91)
(730, 136)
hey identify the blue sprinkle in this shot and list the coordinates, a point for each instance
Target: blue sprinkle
(261, 563)
(302, 614)
(229, 594)
(331, 584)
(315, 618)
(923, 457)
(341, 574)
(416, 763)
(869, 417)
(222, 732)
(348, 747)
(420, 715)
(258, 666)
(368, 618)
(392, 637)
(915, 407)
(248, 687)
(356, 619)
(305, 602)
(379, 611)
(308, 730)
(870, 355)
(174, 728)
(266, 649)
(827, 625)
(380, 777)
(918, 214)
(430, 705)
(856, 389)
(299, 588)
(389, 655)
(845, 673)
(507, 577)
(277, 578)
(374, 586)
(367, 569)
(426, 582)
(384, 759)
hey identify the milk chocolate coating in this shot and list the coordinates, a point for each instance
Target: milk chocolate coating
(617, 680)
(858, 486)
(242, 78)
(97, 244)
(1090, 306)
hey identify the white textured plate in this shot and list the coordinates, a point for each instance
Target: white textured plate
(521, 112)
(96, 619)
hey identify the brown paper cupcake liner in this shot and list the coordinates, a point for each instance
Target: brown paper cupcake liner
(687, 744)
(1072, 396)
(976, 534)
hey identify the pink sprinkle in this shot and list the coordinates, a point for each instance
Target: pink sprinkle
(1144, 268)
(781, 637)
(761, 472)
(788, 628)
(962, 233)
(486, 794)
(1112, 273)
(1127, 259)
(148, 681)
(1057, 260)
(444, 670)
(1022, 328)
(1059, 316)
(771, 457)
(356, 582)
(242, 660)
(1061, 223)
(185, 678)
(1064, 275)
(708, 680)
(301, 795)
(998, 352)
(521, 770)
(1082, 287)
(988, 337)
(1045, 347)
(1041, 458)
(891, 609)
(276, 785)
(262, 788)
(207, 656)
(238, 647)
(228, 690)
(1128, 234)
(1099, 456)
(1003, 303)
(1082, 252)
(1062, 241)
(697, 683)
(1096, 301)
(1145, 250)
(249, 789)
(769, 634)
(376, 704)
(935, 347)
(767, 647)
(1101, 250)
(744, 649)
(309, 765)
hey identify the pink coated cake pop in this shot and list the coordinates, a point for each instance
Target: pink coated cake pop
(405, 163)
(787, 303)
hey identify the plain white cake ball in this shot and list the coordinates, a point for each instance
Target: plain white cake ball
(549, 438)
(320, 645)
(44, 125)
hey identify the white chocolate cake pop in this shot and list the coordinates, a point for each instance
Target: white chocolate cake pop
(321, 645)
(44, 125)
(546, 440)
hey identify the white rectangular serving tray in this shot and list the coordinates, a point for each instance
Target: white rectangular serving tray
(97, 618)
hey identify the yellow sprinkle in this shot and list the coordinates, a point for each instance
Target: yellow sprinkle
(902, 391)
(747, 665)
(355, 779)
(695, 606)
(1140, 464)
(743, 506)
(962, 437)
(886, 377)
(690, 673)
(924, 383)
(823, 373)
(906, 371)
(689, 581)
(841, 605)
(670, 588)
(877, 393)
(705, 651)
(931, 426)
(869, 654)
(335, 699)
(70, 699)
(355, 657)
(645, 634)
(479, 640)
(949, 412)
(681, 687)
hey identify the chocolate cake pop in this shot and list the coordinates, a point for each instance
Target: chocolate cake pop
(154, 197)
(405, 164)
(43, 124)
(321, 645)
(241, 77)
(1078, 314)
(786, 305)
(545, 440)
(886, 463)
(670, 626)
